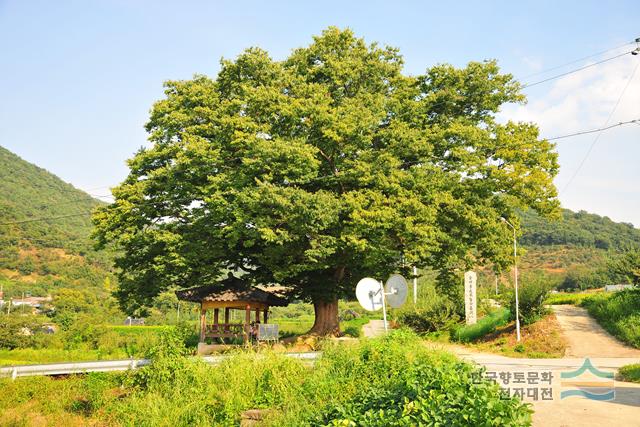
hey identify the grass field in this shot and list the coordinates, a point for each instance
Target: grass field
(576, 298)
(390, 381)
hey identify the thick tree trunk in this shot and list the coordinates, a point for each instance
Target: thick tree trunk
(326, 322)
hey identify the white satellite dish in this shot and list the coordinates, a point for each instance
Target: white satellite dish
(396, 290)
(370, 294)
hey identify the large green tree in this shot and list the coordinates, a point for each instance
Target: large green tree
(321, 169)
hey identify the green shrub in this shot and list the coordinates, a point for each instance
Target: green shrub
(18, 331)
(398, 383)
(484, 326)
(532, 293)
(618, 313)
(630, 373)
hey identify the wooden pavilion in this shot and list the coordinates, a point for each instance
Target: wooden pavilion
(230, 294)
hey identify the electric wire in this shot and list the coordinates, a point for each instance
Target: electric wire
(602, 52)
(597, 137)
(528, 85)
(634, 121)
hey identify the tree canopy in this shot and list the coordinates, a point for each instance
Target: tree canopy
(320, 169)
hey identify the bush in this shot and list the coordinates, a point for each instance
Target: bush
(398, 383)
(429, 320)
(618, 313)
(532, 293)
(630, 373)
(433, 312)
(485, 326)
(18, 331)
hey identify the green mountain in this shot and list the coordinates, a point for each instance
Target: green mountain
(36, 255)
(580, 229)
(577, 242)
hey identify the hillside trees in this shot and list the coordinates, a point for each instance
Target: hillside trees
(318, 170)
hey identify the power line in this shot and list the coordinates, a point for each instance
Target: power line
(595, 140)
(576, 70)
(191, 199)
(24, 221)
(635, 121)
(575, 61)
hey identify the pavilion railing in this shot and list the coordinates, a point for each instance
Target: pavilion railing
(224, 330)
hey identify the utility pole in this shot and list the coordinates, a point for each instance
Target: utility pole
(415, 285)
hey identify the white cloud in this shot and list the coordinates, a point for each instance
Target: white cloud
(583, 101)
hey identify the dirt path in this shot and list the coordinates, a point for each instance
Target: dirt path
(586, 338)
(373, 329)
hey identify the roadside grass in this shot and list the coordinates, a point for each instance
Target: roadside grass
(393, 380)
(31, 356)
(542, 339)
(138, 329)
(484, 326)
(618, 313)
(117, 342)
(630, 373)
(562, 298)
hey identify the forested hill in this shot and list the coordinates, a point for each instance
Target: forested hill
(28, 193)
(579, 229)
(44, 232)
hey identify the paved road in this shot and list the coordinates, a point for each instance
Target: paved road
(585, 338)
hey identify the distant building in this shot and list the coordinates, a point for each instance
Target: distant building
(35, 303)
(617, 288)
(133, 321)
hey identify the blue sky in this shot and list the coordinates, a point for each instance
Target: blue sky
(77, 78)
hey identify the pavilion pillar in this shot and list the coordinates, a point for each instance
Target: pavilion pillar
(203, 323)
(226, 319)
(257, 315)
(216, 314)
(266, 315)
(247, 324)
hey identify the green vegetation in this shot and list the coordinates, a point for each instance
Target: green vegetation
(532, 293)
(580, 229)
(542, 339)
(391, 381)
(38, 257)
(630, 373)
(618, 313)
(323, 168)
(484, 326)
(561, 298)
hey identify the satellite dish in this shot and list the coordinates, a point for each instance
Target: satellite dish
(396, 290)
(369, 294)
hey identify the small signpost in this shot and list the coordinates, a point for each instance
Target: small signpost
(470, 305)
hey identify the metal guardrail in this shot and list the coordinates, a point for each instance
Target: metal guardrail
(67, 368)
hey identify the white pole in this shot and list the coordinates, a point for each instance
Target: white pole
(515, 269)
(515, 265)
(384, 307)
(415, 285)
